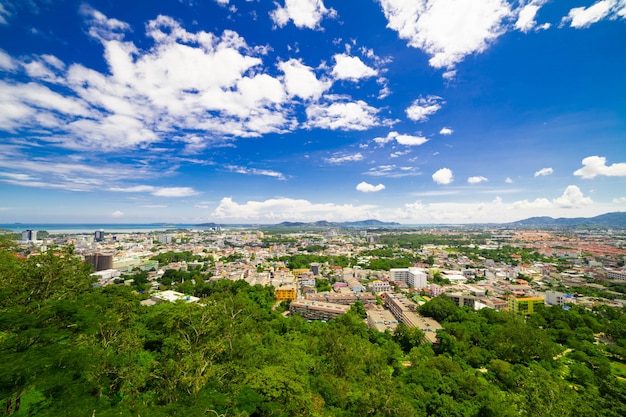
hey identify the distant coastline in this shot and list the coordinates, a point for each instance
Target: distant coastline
(71, 228)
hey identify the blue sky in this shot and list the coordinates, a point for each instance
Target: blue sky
(447, 111)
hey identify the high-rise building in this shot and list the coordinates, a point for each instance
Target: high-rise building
(29, 235)
(98, 235)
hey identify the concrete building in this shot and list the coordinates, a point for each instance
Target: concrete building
(340, 298)
(525, 305)
(406, 311)
(379, 286)
(29, 235)
(166, 239)
(556, 298)
(315, 268)
(98, 235)
(413, 277)
(286, 292)
(99, 261)
(317, 310)
(169, 296)
(381, 320)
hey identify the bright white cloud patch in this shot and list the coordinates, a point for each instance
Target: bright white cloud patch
(476, 180)
(301, 81)
(282, 209)
(572, 197)
(422, 108)
(303, 13)
(447, 30)
(351, 68)
(369, 188)
(596, 165)
(402, 139)
(508, 180)
(446, 131)
(409, 140)
(255, 171)
(117, 214)
(526, 16)
(443, 176)
(582, 17)
(357, 115)
(543, 172)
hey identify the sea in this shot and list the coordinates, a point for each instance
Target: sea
(78, 228)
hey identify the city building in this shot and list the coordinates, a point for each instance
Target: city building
(315, 268)
(98, 235)
(556, 298)
(29, 235)
(405, 311)
(169, 296)
(379, 286)
(99, 261)
(286, 292)
(413, 277)
(166, 239)
(525, 305)
(381, 320)
(317, 310)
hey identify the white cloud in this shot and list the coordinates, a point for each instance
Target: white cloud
(101, 27)
(345, 158)
(356, 115)
(443, 176)
(157, 191)
(446, 131)
(422, 108)
(526, 16)
(476, 180)
(409, 140)
(402, 139)
(175, 192)
(572, 197)
(369, 188)
(543, 172)
(619, 200)
(596, 165)
(301, 81)
(4, 14)
(117, 214)
(582, 17)
(508, 180)
(398, 154)
(447, 30)
(351, 68)
(538, 203)
(287, 209)
(303, 13)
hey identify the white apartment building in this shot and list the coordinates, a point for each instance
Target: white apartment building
(413, 277)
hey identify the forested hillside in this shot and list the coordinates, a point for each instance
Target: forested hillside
(69, 349)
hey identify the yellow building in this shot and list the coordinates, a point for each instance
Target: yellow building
(298, 272)
(525, 305)
(287, 292)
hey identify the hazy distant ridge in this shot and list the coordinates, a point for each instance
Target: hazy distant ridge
(615, 219)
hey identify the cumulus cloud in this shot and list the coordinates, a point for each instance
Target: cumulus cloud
(476, 180)
(596, 165)
(424, 107)
(283, 209)
(619, 200)
(543, 172)
(402, 139)
(572, 197)
(117, 214)
(538, 203)
(355, 115)
(303, 13)
(351, 68)
(301, 81)
(447, 30)
(446, 131)
(443, 176)
(369, 188)
(526, 15)
(344, 158)
(508, 180)
(582, 17)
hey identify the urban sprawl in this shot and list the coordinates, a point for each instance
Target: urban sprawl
(319, 274)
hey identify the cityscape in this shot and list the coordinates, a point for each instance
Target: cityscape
(313, 208)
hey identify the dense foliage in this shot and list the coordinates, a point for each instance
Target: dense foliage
(69, 349)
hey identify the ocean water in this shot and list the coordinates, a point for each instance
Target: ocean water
(71, 228)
